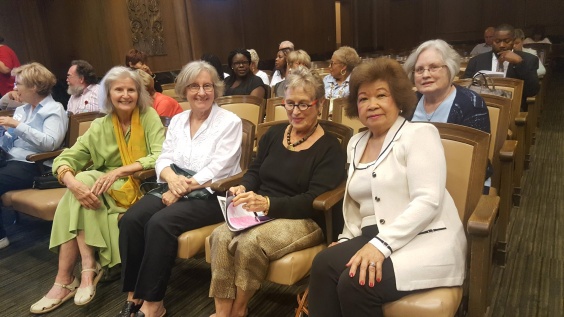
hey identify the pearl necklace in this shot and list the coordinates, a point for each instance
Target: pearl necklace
(291, 146)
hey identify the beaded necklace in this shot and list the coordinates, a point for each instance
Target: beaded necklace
(291, 146)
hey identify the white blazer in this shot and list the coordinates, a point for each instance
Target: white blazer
(419, 226)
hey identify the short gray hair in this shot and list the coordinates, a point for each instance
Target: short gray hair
(309, 81)
(189, 73)
(144, 100)
(450, 57)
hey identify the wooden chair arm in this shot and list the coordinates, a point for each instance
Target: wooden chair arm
(482, 219)
(43, 156)
(507, 151)
(521, 118)
(223, 185)
(145, 174)
(327, 200)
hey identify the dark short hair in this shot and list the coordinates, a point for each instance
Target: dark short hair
(85, 70)
(506, 27)
(135, 56)
(391, 72)
(232, 54)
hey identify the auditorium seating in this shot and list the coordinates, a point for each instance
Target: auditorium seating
(247, 107)
(338, 114)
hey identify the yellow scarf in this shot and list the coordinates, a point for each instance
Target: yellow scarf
(129, 193)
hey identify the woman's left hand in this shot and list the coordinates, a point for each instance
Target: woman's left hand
(368, 259)
(253, 201)
(104, 182)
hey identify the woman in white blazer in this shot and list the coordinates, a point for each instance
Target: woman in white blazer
(402, 231)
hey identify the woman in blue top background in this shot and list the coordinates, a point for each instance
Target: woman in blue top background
(37, 126)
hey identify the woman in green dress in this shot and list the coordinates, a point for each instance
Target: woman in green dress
(127, 140)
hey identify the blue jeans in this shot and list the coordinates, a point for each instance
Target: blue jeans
(16, 175)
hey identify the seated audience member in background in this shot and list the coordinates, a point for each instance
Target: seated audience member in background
(295, 163)
(8, 61)
(241, 80)
(205, 140)
(432, 67)
(343, 61)
(37, 126)
(286, 46)
(280, 67)
(254, 67)
(514, 64)
(518, 46)
(538, 36)
(128, 139)
(487, 45)
(294, 60)
(163, 104)
(138, 60)
(409, 237)
(83, 88)
(216, 63)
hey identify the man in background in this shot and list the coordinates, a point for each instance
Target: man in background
(83, 88)
(487, 46)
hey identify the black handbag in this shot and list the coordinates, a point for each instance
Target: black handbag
(158, 189)
(46, 181)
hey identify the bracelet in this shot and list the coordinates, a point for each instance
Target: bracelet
(265, 212)
(63, 172)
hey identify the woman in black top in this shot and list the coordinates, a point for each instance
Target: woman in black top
(295, 163)
(242, 81)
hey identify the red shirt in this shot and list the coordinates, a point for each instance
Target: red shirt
(165, 105)
(9, 58)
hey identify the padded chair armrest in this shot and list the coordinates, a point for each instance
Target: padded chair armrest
(521, 118)
(482, 219)
(507, 151)
(223, 185)
(328, 199)
(145, 174)
(43, 156)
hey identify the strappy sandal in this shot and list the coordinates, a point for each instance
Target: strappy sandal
(129, 308)
(142, 314)
(46, 305)
(85, 295)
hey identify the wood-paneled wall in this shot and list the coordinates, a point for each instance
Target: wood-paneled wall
(54, 32)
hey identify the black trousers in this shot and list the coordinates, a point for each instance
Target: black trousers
(332, 292)
(148, 241)
(16, 175)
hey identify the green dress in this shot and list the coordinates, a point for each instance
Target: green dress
(99, 145)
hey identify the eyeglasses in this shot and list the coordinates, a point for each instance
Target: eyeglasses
(196, 88)
(301, 106)
(432, 69)
(237, 64)
(331, 63)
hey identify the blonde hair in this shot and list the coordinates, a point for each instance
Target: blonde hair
(348, 56)
(35, 75)
(299, 56)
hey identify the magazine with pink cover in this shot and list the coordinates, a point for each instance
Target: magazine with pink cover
(237, 218)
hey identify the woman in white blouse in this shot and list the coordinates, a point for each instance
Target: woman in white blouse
(206, 142)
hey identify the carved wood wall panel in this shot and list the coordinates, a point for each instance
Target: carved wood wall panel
(146, 25)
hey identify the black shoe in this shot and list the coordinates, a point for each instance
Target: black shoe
(128, 309)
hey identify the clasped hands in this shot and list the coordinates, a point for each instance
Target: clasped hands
(9, 122)
(368, 260)
(88, 197)
(252, 201)
(178, 186)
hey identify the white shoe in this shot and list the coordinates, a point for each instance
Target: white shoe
(4, 242)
